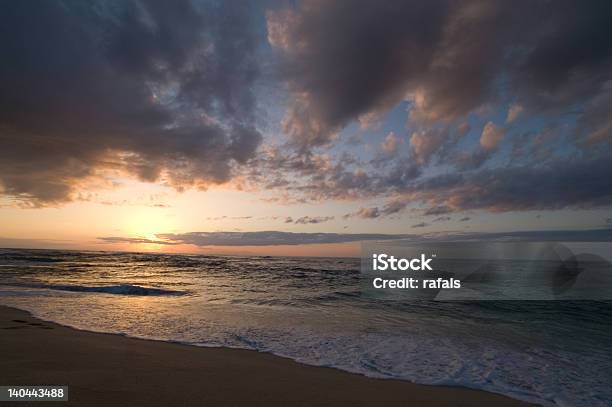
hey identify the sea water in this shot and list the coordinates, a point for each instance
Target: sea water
(312, 310)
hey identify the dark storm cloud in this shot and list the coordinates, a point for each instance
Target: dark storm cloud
(163, 91)
(569, 56)
(347, 60)
(160, 90)
(558, 184)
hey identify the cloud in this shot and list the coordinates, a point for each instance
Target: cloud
(442, 219)
(596, 124)
(135, 240)
(465, 219)
(215, 218)
(491, 136)
(555, 184)
(272, 238)
(556, 70)
(307, 220)
(125, 202)
(425, 143)
(437, 210)
(166, 93)
(346, 60)
(364, 213)
(583, 235)
(321, 177)
(276, 238)
(513, 113)
(390, 145)
(158, 91)
(437, 143)
(388, 152)
(394, 205)
(490, 139)
(455, 63)
(471, 160)
(420, 225)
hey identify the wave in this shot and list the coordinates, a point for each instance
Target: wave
(31, 259)
(120, 289)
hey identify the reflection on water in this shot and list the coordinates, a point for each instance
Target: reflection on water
(556, 353)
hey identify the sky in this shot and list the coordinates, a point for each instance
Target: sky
(301, 127)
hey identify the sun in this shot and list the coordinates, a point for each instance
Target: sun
(148, 223)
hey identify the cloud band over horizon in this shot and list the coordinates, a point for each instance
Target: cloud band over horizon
(277, 238)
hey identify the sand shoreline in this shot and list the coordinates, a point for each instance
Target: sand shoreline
(107, 369)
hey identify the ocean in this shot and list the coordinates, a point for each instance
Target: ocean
(556, 353)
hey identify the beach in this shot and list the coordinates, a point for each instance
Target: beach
(105, 369)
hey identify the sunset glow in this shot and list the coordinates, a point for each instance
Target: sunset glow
(143, 136)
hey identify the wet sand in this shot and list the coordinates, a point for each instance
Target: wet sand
(112, 370)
